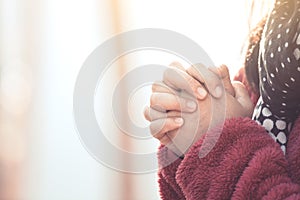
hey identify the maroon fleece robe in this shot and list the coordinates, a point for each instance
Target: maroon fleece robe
(245, 163)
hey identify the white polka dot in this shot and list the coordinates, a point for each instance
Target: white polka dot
(284, 91)
(282, 111)
(273, 89)
(269, 97)
(279, 49)
(280, 124)
(279, 36)
(287, 85)
(286, 44)
(281, 137)
(271, 31)
(297, 53)
(266, 112)
(280, 25)
(272, 55)
(272, 75)
(268, 124)
(270, 42)
(288, 59)
(298, 68)
(283, 148)
(298, 39)
(276, 69)
(284, 104)
(287, 30)
(282, 65)
(264, 79)
(271, 82)
(292, 79)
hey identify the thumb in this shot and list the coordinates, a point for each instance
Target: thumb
(242, 96)
(223, 73)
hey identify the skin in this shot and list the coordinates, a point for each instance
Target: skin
(179, 114)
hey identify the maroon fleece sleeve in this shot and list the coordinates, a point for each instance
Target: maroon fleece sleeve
(168, 164)
(293, 152)
(245, 163)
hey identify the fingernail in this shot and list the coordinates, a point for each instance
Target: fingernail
(218, 91)
(191, 104)
(178, 121)
(202, 92)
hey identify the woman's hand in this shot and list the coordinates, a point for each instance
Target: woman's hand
(171, 108)
(165, 123)
(199, 80)
(180, 130)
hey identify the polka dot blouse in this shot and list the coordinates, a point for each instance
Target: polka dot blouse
(279, 71)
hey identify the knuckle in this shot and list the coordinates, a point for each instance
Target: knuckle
(147, 114)
(167, 73)
(153, 100)
(175, 63)
(155, 86)
(190, 68)
(190, 71)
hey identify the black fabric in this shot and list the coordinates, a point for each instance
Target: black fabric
(279, 70)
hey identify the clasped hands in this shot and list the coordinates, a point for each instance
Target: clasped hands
(189, 102)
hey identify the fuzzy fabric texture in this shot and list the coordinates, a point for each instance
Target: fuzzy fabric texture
(244, 163)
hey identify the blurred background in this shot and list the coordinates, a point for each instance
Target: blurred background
(43, 44)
